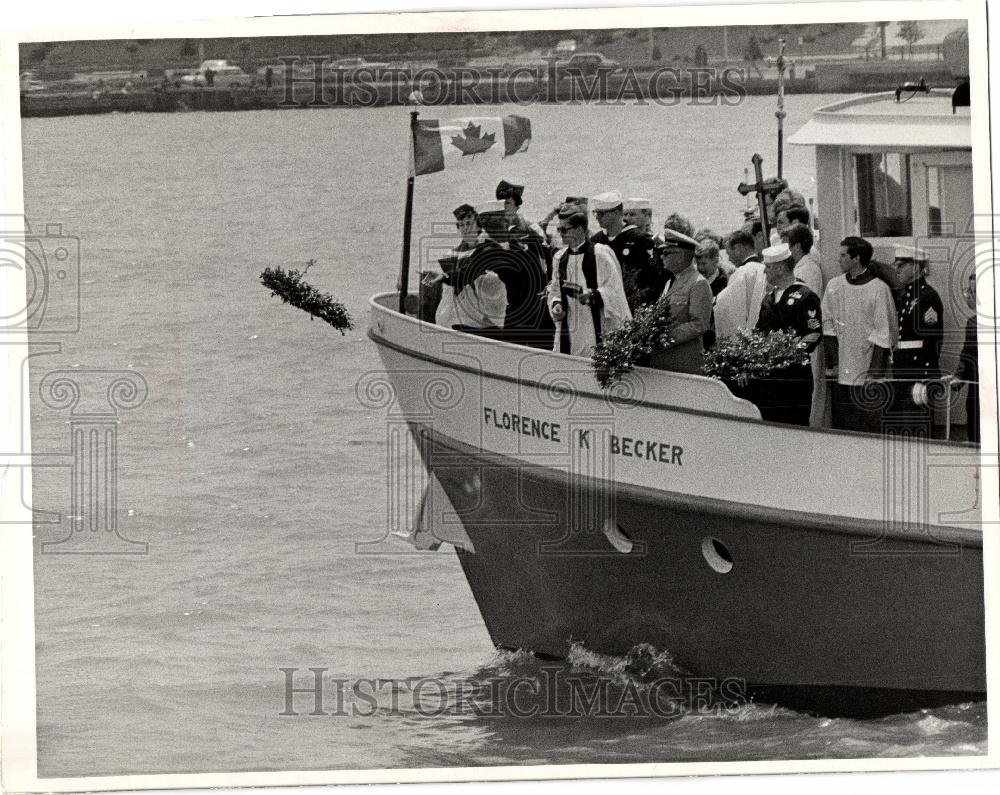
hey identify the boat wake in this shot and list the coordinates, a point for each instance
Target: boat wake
(641, 707)
(645, 683)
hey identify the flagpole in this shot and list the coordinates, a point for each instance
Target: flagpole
(404, 263)
(780, 112)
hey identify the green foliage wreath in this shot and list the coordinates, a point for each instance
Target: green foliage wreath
(291, 288)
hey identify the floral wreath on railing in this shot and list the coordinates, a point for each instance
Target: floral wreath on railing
(743, 357)
(752, 354)
(648, 332)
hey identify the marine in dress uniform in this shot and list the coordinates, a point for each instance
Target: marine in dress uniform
(644, 282)
(915, 359)
(786, 394)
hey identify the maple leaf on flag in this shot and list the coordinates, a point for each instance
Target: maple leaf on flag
(472, 143)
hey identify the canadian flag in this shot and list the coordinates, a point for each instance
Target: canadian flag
(463, 143)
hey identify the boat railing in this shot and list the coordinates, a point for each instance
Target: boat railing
(932, 392)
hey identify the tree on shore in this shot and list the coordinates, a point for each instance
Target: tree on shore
(752, 54)
(469, 46)
(881, 33)
(40, 52)
(132, 48)
(911, 33)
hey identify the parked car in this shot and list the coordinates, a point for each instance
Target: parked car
(347, 63)
(588, 63)
(348, 67)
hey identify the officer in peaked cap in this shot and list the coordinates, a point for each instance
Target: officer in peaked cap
(916, 358)
(690, 301)
(641, 276)
(671, 238)
(785, 395)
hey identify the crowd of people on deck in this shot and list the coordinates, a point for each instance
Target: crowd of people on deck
(871, 337)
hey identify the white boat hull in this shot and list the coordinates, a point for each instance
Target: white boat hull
(821, 568)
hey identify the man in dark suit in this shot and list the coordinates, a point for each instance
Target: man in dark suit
(968, 365)
(706, 258)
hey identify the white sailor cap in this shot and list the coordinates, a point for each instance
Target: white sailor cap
(637, 204)
(671, 237)
(485, 208)
(778, 253)
(910, 253)
(606, 201)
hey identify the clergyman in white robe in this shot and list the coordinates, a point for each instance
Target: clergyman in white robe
(579, 318)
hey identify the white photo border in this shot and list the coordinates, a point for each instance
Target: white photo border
(18, 750)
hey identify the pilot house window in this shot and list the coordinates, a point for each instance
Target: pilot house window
(884, 208)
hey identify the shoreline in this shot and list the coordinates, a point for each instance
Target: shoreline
(664, 88)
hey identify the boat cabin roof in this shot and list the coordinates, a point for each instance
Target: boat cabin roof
(917, 121)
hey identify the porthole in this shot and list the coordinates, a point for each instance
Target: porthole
(616, 536)
(717, 555)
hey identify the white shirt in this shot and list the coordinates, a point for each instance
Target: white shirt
(809, 272)
(579, 319)
(860, 316)
(738, 305)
